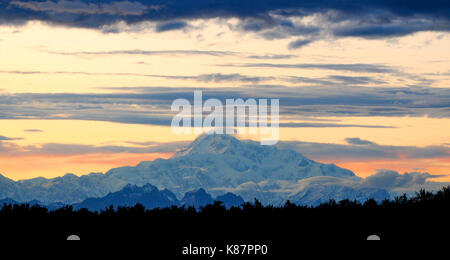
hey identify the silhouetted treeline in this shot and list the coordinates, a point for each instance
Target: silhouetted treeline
(423, 216)
(422, 200)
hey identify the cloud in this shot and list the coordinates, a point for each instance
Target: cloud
(274, 27)
(331, 80)
(355, 80)
(85, 73)
(299, 43)
(386, 179)
(270, 19)
(336, 80)
(213, 53)
(144, 52)
(151, 105)
(361, 150)
(215, 77)
(358, 141)
(330, 125)
(120, 8)
(353, 67)
(4, 138)
(78, 149)
(219, 77)
(395, 28)
(272, 56)
(170, 26)
(142, 63)
(34, 130)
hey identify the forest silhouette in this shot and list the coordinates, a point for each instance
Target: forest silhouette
(423, 216)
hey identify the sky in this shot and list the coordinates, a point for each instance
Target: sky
(86, 86)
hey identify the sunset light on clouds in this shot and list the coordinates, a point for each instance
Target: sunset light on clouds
(91, 90)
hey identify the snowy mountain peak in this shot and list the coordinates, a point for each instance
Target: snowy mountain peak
(211, 144)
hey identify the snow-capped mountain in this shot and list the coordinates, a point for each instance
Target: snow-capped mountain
(216, 163)
(310, 191)
(213, 161)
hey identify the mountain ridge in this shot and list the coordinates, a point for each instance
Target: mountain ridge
(148, 196)
(213, 162)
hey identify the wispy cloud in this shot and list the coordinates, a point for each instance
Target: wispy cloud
(319, 125)
(215, 77)
(271, 56)
(143, 52)
(332, 80)
(355, 150)
(31, 72)
(219, 77)
(358, 141)
(62, 149)
(4, 138)
(34, 130)
(140, 52)
(354, 67)
(376, 74)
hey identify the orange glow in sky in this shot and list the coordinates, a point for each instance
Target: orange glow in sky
(40, 58)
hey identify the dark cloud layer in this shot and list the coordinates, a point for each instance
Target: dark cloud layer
(368, 151)
(392, 179)
(160, 10)
(272, 19)
(170, 26)
(358, 141)
(299, 43)
(152, 105)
